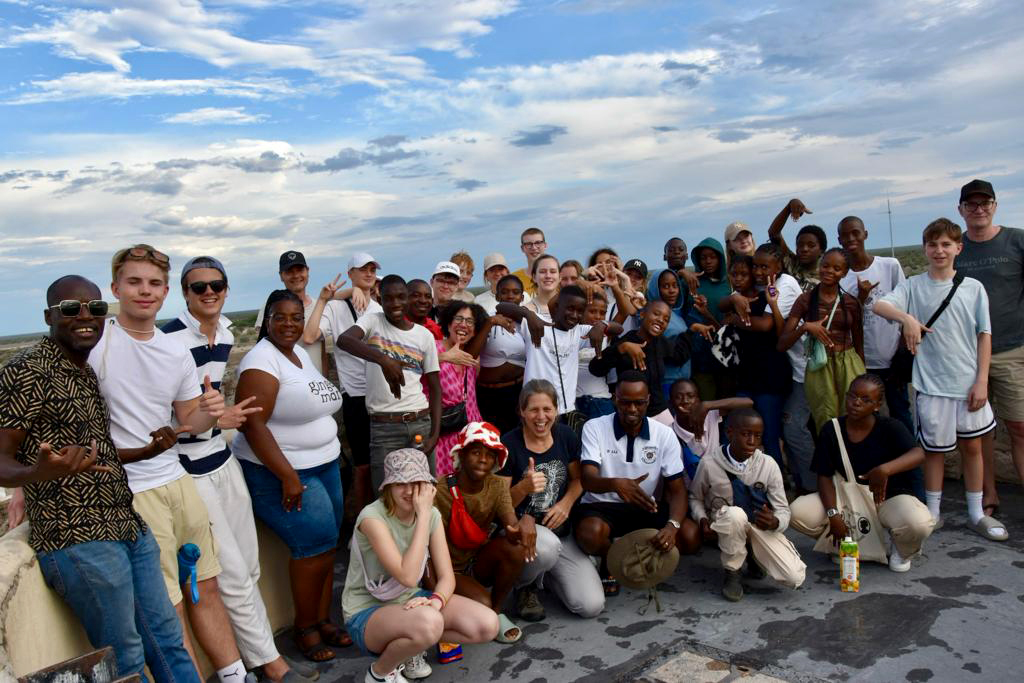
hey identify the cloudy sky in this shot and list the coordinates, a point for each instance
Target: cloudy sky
(411, 128)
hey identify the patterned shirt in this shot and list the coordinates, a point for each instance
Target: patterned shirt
(52, 400)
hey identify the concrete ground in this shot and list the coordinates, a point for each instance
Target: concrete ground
(958, 615)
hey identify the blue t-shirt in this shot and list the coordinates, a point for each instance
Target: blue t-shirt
(947, 359)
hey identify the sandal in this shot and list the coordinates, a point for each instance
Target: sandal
(611, 587)
(990, 510)
(332, 634)
(987, 527)
(504, 626)
(317, 652)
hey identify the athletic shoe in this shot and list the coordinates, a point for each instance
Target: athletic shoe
(732, 587)
(417, 667)
(393, 677)
(528, 604)
(896, 561)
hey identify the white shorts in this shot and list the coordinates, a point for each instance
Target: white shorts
(941, 421)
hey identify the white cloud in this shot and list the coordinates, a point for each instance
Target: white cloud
(215, 115)
(111, 84)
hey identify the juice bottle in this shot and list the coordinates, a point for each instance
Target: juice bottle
(418, 439)
(849, 566)
(448, 652)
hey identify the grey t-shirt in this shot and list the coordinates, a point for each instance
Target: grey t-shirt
(999, 265)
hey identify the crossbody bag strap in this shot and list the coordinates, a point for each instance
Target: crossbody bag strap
(850, 477)
(558, 364)
(832, 313)
(957, 279)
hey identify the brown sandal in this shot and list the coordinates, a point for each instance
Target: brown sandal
(318, 651)
(332, 634)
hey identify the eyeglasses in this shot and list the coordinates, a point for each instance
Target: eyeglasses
(463, 320)
(217, 286)
(534, 244)
(71, 308)
(986, 205)
(858, 399)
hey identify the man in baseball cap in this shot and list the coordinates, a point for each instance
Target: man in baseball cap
(994, 254)
(294, 274)
(444, 282)
(495, 268)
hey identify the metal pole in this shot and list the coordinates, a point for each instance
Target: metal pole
(892, 245)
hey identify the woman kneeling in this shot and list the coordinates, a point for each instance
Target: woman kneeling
(386, 612)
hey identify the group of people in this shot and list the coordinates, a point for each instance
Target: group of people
(503, 443)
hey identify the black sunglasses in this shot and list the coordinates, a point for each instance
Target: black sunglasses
(217, 286)
(70, 308)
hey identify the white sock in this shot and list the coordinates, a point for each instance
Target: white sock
(232, 673)
(974, 509)
(933, 499)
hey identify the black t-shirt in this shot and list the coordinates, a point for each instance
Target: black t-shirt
(658, 353)
(888, 440)
(763, 369)
(554, 463)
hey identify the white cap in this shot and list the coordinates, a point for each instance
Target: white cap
(494, 259)
(360, 259)
(447, 267)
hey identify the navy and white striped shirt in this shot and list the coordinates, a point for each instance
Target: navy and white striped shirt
(207, 452)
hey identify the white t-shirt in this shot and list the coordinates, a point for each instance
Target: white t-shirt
(946, 363)
(708, 441)
(503, 347)
(337, 318)
(413, 348)
(488, 301)
(140, 381)
(655, 452)
(316, 349)
(589, 384)
(789, 292)
(301, 422)
(542, 363)
(881, 336)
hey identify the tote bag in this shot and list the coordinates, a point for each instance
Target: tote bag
(857, 506)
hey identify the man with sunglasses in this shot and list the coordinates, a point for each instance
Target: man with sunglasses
(152, 389)
(205, 333)
(534, 245)
(994, 254)
(93, 548)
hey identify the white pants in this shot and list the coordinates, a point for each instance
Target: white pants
(772, 550)
(906, 518)
(567, 572)
(234, 530)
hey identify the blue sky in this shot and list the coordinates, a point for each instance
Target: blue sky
(411, 129)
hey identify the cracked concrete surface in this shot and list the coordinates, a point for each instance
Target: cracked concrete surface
(956, 616)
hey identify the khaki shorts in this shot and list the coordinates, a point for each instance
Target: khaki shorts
(177, 515)
(1006, 384)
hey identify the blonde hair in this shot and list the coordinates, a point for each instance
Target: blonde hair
(389, 500)
(139, 252)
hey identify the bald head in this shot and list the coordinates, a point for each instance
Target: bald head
(70, 287)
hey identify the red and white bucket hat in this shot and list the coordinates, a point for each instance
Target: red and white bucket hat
(485, 433)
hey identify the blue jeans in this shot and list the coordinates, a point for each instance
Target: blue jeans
(770, 407)
(799, 440)
(314, 529)
(390, 436)
(117, 591)
(593, 406)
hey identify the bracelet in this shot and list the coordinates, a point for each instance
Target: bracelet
(439, 597)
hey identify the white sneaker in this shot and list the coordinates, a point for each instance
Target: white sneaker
(393, 677)
(417, 667)
(896, 561)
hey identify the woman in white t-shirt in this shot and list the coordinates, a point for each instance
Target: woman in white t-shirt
(502, 361)
(545, 272)
(289, 456)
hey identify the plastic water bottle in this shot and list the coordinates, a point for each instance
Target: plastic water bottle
(188, 556)
(849, 566)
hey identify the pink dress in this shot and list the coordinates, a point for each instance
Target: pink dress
(452, 378)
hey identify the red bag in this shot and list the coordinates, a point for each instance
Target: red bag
(462, 529)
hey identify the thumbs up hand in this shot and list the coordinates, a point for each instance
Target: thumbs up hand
(537, 480)
(212, 401)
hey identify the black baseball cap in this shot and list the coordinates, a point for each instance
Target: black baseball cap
(289, 259)
(637, 265)
(977, 187)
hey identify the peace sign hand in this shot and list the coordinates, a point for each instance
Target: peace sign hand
(328, 291)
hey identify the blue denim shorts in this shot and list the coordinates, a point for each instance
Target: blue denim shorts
(356, 626)
(311, 531)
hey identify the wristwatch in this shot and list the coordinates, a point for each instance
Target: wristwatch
(675, 523)
(831, 512)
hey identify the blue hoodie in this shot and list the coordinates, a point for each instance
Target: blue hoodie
(683, 316)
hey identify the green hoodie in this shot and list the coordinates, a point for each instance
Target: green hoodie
(713, 287)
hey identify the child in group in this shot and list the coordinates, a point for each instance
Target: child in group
(697, 422)
(593, 397)
(649, 351)
(386, 612)
(465, 263)
(667, 285)
(713, 286)
(502, 351)
(950, 367)
(811, 243)
(737, 497)
(472, 501)
(552, 348)
(832, 318)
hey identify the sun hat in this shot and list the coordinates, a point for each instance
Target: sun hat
(494, 259)
(405, 466)
(635, 563)
(481, 432)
